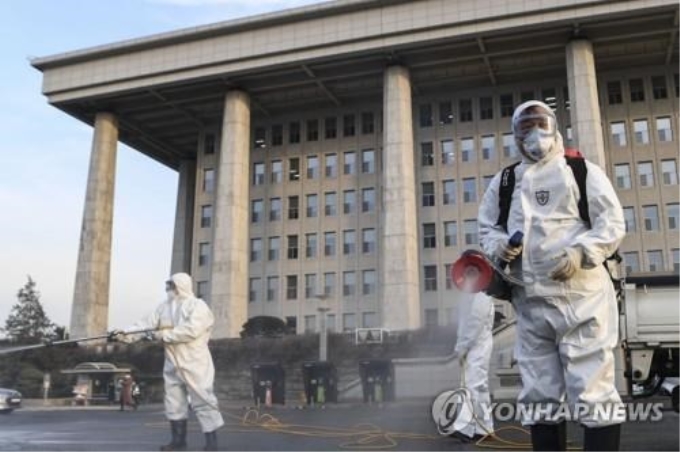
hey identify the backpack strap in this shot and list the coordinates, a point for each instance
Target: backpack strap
(578, 167)
(505, 190)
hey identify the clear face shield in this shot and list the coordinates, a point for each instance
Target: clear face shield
(528, 121)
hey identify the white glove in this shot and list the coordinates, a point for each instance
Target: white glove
(508, 253)
(567, 264)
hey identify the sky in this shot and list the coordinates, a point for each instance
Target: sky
(45, 155)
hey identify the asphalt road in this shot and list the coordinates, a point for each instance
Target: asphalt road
(406, 425)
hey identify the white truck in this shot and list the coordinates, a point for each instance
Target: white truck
(650, 320)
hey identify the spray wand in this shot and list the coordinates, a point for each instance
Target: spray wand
(49, 343)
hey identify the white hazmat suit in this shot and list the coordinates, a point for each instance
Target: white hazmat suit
(567, 319)
(186, 323)
(473, 348)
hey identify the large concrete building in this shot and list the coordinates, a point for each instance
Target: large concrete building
(334, 155)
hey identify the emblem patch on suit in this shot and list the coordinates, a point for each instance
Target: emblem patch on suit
(542, 196)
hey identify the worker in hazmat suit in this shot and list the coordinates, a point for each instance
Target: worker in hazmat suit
(184, 324)
(473, 349)
(567, 319)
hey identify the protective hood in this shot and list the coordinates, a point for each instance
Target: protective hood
(558, 144)
(184, 285)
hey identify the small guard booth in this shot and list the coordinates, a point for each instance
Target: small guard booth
(321, 382)
(95, 381)
(268, 378)
(377, 380)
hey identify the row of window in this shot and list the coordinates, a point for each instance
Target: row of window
(650, 218)
(650, 222)
(348, 126)
(349, 245)
(468, 149)
(447, 153)
(637, 91)
(349, 205)
(619, 134)
(349, 242)
(270, 292)
(654, 262)
(645, 172)
(484, 107)
(467, 109)
(622, 180)
(262, 137)
(449, 196)
(369, 319)
(313, 169)
(470, 234)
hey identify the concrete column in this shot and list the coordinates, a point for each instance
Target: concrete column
(400, 297)
(229, 280)
(90, 309)
(184, 218)
(586, 122)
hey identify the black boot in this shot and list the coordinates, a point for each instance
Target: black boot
(549, 436)
(179, 436)
(211, 440)
(602, 438)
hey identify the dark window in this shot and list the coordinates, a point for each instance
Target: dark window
(367, 123)
(485, 108)
(429, 236)
(292, 247)
(637, 90)
(507, 105)
(348, 125)
(209, 144)
(428, 194)
(291, 287)
(526, 96)
(425, 115)
(260, 138)
(293, 207)
(659, 87)
(465, 110)
(313, 130)
(277, 135)
(430, 272)
(294, 132)
(331, 127)
(426, 154)
(614, 95)
(445, 113)
(294, 169)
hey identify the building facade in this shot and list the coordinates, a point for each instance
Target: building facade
(334, 156)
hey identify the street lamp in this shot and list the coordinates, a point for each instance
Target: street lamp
(323, 334)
